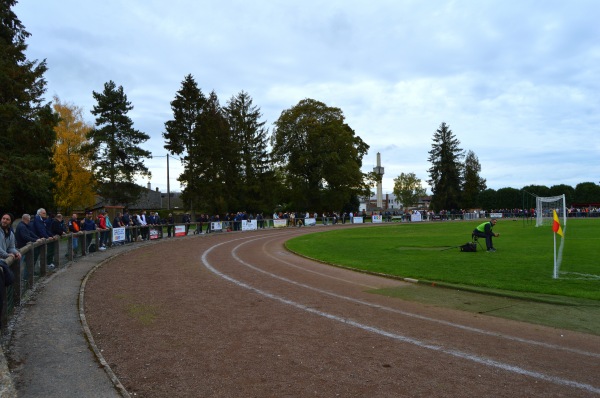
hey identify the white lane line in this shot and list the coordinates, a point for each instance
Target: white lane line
(418, 343)
(316, 272)
(405, 313)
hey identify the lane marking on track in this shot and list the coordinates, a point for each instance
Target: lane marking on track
(405, 313)
(312, 271)
(455, 353)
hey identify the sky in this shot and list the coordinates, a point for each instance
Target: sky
(518, 82)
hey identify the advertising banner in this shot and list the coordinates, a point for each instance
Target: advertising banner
(416, 217)
(310, 222)
(154, 234)
(179, 230)
(216, 226)
(280, 223)
(118, 235)
(377, 219)
(249, 225)
(357, 220)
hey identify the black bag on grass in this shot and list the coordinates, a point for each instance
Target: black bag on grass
(469, 247)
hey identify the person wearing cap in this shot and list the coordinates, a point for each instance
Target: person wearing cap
(484, 230)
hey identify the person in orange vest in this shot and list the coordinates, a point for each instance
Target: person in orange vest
(73, 225)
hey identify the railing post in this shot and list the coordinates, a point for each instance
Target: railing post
(42, 257)
(56, 245)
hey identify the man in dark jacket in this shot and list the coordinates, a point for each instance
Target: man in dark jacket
(88, 224)
(24, 235)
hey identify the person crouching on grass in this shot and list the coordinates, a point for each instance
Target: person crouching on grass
(485, 231)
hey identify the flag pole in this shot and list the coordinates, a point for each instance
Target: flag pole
(555, 271)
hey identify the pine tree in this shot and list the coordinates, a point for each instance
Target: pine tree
(446, 169)
(473, 184)
(182, 136)
(74, 182)
(216, 157)
(26, 122)
(251, 156)
(114, 147)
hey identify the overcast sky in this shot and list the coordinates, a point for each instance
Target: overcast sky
(518, 82)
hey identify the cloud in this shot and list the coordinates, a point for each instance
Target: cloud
(518, 83)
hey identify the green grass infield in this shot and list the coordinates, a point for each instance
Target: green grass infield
(522, 266)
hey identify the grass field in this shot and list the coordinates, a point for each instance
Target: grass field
(523, 264)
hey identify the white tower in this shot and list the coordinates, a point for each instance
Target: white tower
(379, 173)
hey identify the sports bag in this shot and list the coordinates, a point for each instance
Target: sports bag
(469, 247)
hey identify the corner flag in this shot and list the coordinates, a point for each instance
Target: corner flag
(556, 224)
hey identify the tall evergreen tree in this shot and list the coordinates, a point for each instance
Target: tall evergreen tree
(446, 169)
(250, 141)
(182, 137)
(26, 122)
(217, 157)
(473, 184)
(115, 147)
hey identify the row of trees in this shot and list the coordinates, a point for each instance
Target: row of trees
(457, 184)
(454, 176)
(314, 163)
(50, 155)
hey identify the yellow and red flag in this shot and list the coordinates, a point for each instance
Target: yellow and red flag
(556, 224)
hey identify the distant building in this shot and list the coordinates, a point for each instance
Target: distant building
(391, 203)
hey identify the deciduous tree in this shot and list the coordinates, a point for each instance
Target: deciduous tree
(408, 189)
(587, 192)
(73, 181)
(320, 155)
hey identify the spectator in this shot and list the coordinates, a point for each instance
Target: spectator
(118, 223)
(170, 223)
(73, 226)
(6, 279)
(24, 234)
(87, 224)
(126, 220)
(186, 219)
(103, 230)
(57, 228)
(7, 239)
(143, 225)
(40, 230)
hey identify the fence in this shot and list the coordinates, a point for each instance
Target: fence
(38, 257)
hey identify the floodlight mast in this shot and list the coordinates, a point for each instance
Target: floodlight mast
(378, 171)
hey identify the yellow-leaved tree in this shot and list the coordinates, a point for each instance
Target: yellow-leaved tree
(74, 185)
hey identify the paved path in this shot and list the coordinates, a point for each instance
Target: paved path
(49, 351)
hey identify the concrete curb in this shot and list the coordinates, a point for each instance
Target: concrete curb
(88, 333)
